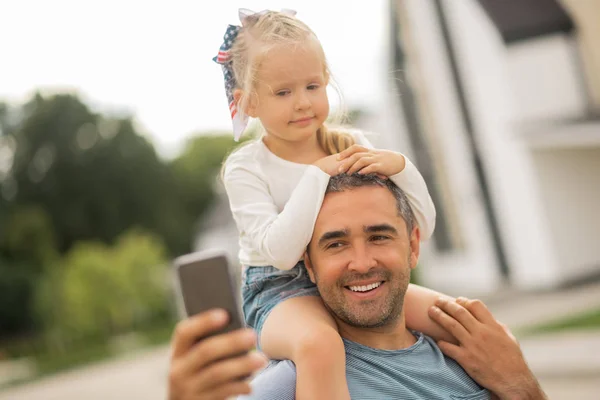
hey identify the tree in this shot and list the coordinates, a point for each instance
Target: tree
(103, 290)
(24, 255)
(194, 173)
(70, 176)
(94, 176)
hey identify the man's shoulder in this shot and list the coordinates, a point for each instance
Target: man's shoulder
(381, 373)
(276, 381)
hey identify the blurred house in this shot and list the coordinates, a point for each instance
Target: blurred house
(499, 103)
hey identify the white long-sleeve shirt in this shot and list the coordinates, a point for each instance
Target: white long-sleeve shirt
(275, 203)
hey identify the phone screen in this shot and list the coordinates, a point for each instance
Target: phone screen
(206, 282)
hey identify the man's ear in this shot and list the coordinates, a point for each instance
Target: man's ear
(309, 267)
(415, 246)
(249, 108)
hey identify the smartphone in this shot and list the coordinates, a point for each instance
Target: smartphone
(206, 280)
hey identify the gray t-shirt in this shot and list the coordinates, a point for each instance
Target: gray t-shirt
(421, 371)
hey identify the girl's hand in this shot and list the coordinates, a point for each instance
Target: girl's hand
(363, 160)
(330, 164)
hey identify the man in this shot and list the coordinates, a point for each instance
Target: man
(364, 245)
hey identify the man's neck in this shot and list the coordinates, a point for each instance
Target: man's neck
(393, 336)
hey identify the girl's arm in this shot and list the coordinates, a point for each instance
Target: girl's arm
(417, 302)
(280, 237)
(413, 185)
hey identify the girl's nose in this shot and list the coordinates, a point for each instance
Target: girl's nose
(302, 101)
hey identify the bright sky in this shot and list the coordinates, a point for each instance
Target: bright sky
(153, 58)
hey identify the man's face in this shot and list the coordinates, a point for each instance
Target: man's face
(360, 256)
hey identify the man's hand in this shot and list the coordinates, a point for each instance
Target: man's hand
(487, 350)
(213, 367)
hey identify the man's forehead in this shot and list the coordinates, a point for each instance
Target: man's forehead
(355, 199)
(357, 208)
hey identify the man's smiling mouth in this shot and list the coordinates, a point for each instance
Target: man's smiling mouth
(365, 288)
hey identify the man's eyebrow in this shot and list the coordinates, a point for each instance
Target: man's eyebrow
(332, 235)
(380, 228)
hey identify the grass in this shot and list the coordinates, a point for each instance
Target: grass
(52, 363)
(588, 320)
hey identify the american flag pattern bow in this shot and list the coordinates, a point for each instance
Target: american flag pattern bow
(239, 118)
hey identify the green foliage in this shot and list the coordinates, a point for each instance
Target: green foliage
(94, 176)
(31, 236)
(17, 286)
(106, 290)
(72, 182)
(589, 320)
(194, 173)
(23, 255)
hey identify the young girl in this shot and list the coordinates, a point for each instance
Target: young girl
(276, 71)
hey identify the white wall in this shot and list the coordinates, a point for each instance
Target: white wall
(570, 185)
(545, 82)
(483, 60)
(472, 268)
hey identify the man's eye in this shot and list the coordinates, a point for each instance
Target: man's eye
(379, 238)
(335, 245)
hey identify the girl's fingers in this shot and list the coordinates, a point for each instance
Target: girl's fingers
(355, 148)
(373, 169)
(350, 161)
(359, 165)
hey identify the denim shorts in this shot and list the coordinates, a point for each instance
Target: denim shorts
(265, 287)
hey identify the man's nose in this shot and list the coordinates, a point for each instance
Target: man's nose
(362, 259)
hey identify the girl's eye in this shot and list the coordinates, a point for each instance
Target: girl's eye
(312, 87)
(282, 93)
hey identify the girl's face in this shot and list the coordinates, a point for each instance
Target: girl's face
(291, 98)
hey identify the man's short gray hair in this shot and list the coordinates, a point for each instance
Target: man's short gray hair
(343, 182)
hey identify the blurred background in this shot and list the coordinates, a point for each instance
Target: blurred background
(114, 125)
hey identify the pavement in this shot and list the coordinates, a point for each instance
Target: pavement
(567, 364)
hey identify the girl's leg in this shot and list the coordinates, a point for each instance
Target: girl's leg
(302, 330)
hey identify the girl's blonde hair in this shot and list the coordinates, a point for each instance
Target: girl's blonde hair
(261, 33)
